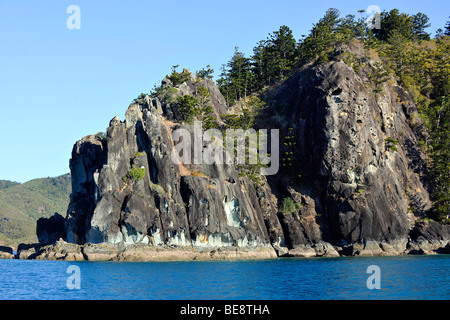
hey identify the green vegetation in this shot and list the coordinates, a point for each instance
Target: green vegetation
(204, 111)
(140, 97)
(21, 205)
(391, 144)
(251, 107)
(197, 107)
(101, 136)
(205, 73)
(407, 52)
(4, 184)
(250, 110)
(158, 189)
(179, 77)
(138, 154)
(419, 63)
(187, 107)
(379, 76)
(136, 174)
(288, 205)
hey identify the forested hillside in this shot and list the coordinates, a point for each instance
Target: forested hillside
(21, 205)
(419, 62)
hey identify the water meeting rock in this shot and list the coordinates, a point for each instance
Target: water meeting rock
(352, 192)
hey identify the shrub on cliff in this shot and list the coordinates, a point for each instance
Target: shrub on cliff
(288, 205)
(179, 77)
(136, 174)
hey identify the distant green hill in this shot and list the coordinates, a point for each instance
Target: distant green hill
(21, 205)
(6, 184)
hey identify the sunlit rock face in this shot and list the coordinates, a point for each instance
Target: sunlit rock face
(201, 205)
(350, 187)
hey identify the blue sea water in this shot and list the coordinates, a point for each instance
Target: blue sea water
(403, 277)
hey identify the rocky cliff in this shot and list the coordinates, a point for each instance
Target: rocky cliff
(349, 163)
(197, 205)
(360, 165)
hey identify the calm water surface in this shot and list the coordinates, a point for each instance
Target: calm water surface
(405, 277)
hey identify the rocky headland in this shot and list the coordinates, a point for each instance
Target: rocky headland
(353, 193)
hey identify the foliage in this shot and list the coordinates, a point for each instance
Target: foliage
(236, 81)
(288, 205)
(404, 25)
(158, 189)
(140, 97)
(204, 112)
(440, 157)
(423, 68)
(101, 135)
(138, 154)
(250, 110)
(4, 184)
(179, 77)
(391, 144)
(447, 29)
(196, 107)
(205, 73)
(379, 76)
(187, 107)
(136, 173)
(21, 205)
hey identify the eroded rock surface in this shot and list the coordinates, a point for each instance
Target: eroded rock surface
(188, 205)
(354, 191)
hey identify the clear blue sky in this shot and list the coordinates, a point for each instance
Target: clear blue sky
(58, 85)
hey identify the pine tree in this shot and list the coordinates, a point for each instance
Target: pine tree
(282, 45)
(261, 65)
(204, 112)
(392, 21)
(321, 37)
(239, 75)
(447, 28)
(420, 22)
(186, 107)
(440, 155)
(205, 73)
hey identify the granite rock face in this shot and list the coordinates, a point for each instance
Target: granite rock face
(429, 237)
(357, 185)
(355, 191)
(189, 205)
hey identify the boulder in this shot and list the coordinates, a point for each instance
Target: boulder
(6, 253)
(49, 230)
(429, 237)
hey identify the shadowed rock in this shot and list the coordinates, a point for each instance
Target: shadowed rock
(49, 230)
(352, 192)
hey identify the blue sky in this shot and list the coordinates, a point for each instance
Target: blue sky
(58, 85)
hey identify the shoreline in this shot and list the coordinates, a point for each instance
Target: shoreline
(65, 251)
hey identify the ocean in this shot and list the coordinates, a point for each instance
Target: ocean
(352, 278)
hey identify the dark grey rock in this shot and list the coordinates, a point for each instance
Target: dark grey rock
(4, 249)
(360, 188)
(6, 253)
(50, 230)
(350, 190)
(430, 231)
